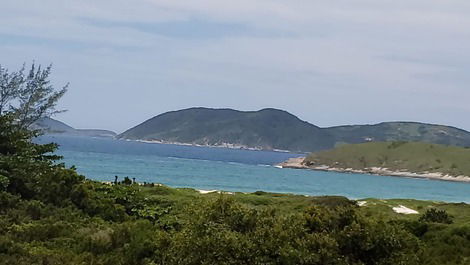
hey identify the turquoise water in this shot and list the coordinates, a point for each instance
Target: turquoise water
(237, 170)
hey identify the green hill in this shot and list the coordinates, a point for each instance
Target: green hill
(52, 126)
(400, 131)
(413, 157)
(277, 129)
(264, 129)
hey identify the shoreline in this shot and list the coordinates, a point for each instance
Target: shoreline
(296, 163)
(223, 145)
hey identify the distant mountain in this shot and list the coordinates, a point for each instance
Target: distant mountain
(272, 129)
(265, 129)
(52, 126)
(400, 131)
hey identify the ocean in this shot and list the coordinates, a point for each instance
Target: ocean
(212, 168)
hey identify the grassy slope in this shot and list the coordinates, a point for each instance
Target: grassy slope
(287, 203)
(383, 209)
(415, 157)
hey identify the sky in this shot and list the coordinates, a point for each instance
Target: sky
(331, 62)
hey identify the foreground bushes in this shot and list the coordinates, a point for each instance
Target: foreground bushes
(219, 231)
(121, 224)
(51, 215)
(224, 232)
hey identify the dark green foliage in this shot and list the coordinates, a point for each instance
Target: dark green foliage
(436, 216)
(418, 228)
(29, 169)
(447, 245)
(225, 232)
(332, 201)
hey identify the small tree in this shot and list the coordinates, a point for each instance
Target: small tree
(26, 168)
(30, 97)
(436, 216)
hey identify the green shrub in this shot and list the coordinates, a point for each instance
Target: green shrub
(434, 215)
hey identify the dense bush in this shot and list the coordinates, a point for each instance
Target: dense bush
(436, 216)
(225, 232)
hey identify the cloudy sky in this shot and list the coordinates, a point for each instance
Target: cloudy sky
(329, 62)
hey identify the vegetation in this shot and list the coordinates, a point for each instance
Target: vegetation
(400, 131)
(436, 216)
(264, 129)
(413, 157)
(277, 129)
(28, 97)
(49, 214)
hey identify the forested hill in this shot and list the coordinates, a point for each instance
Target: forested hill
(264, 129)
(52, 126)
(277, 129)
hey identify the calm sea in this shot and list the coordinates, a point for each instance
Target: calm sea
(235, 170)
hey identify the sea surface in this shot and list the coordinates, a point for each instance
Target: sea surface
(212, 168)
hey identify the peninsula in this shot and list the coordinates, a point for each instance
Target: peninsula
(402, 159)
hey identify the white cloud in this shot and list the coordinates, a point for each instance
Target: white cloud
(330, 62)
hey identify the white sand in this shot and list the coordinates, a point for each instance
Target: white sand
(207, 191)
(361, 203)
(404, 210)
(211, 191)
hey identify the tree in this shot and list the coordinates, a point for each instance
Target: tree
(29, 169)
(434, 215)
(9, 87)
(26, 168)
(30, 97)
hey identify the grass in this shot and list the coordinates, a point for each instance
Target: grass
(400, 156)
(383, 209)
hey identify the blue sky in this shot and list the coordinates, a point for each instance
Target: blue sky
(328, 62)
